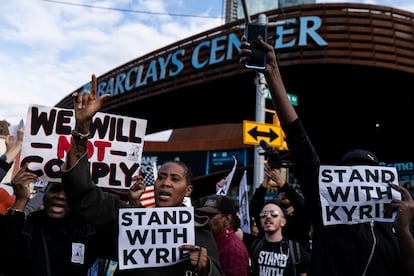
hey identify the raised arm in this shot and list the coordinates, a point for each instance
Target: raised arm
(405, 214)
(284, 109)
(82, 193)
(21, 187)
(13, 148)
(15, 260)
(86, 105)
(302, 151)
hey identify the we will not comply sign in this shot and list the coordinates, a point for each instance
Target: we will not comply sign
(356, 194)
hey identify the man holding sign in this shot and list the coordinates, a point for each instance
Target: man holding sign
(356, 194)
(160, 241)
(353, 232)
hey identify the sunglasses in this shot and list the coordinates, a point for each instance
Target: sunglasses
(273, 213)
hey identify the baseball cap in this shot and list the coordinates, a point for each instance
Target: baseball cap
(359, 157)
(216, 204)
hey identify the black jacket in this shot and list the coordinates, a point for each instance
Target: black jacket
(41, 246)
(101, 210)
(340, 249)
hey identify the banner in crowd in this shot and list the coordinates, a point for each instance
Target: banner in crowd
(223, 190)
(244, 204)
(114, 148)
(150, 237)
(356, 194)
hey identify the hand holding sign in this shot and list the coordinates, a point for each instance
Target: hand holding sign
(356, 194)
(21, 187)
(136, 190)
(404, 207)
(198, 256)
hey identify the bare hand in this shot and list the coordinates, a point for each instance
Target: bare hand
(86, 105)
(404, 207)
(220, 184)
(275, 175)
(136, 190)
(198, 257)
(21, 186)
(245, 52)
(13, 147)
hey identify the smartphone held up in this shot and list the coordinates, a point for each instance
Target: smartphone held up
(257, 59)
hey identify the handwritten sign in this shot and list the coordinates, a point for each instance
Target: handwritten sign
(150, 237)
(356, 194)
(114, 149)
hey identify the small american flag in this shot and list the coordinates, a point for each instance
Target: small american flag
(149, 177)
(148, 198)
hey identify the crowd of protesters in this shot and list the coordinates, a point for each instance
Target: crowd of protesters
(368, 248)
(75, 226)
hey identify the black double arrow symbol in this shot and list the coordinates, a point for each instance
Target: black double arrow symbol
(255, 134)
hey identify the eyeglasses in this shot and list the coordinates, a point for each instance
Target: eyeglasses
(273, 213)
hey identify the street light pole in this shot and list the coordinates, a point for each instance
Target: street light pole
(260, 83)
(246, 11)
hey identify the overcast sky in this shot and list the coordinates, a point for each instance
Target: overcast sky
(49, 48)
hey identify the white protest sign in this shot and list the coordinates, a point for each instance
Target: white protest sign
(114, 149)
(356, 194)
(150, 237)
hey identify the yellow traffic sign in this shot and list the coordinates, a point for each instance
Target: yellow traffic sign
(253, 132)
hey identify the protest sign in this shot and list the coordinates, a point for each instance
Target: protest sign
(150, 237)
(114, 148)
(356, 194)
